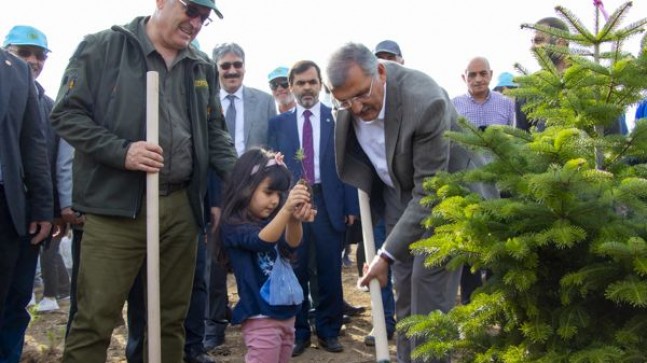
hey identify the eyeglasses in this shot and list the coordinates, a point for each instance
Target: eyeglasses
(275, 85)
(193, 12)
(26, 53)
(346, 104)
(225, 66)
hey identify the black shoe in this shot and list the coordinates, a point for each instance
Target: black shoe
(201, 357)
(214, 342)
(351, 310)
(300, 347)
(330, 344)
(369, 340)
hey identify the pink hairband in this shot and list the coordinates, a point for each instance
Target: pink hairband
(277, 160)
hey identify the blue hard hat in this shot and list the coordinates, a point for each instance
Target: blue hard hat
(278, 73)
(26, 35)
(506, 80)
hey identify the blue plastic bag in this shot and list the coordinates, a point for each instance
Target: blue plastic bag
(282, 286)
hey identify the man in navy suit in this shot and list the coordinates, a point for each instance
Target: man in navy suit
(335, 201)
(26, 199)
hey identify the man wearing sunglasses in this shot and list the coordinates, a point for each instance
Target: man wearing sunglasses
(247, 111)
(278, 80)
(101, 111)
(389, 138)
(26, 203)
(253, 107)
(30, 44)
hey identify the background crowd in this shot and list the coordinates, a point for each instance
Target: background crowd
(208, 120)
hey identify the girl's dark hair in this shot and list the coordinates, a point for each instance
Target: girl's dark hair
(250, 170)
(248, 173)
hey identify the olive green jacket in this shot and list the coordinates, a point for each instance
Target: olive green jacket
(101, 109)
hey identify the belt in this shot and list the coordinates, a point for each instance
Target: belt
(170, 188)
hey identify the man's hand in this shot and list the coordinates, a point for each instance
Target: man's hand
(378, 269)
(68, 216)
(43, 228)
(144, 156)
(350, 219)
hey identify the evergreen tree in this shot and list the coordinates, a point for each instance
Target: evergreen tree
(567, 244)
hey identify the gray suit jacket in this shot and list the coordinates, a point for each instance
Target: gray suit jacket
(23, 154)
(418, 113)
(259, 108)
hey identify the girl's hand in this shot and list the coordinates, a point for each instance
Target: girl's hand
(297, 198)
(305, 213)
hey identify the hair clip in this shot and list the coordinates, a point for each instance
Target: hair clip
(277, 160)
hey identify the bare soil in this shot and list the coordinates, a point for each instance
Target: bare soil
(44, 338)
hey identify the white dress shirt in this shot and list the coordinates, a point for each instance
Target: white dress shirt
(372, 139)
(239, 133)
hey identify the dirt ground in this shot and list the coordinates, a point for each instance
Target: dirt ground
(44, 338)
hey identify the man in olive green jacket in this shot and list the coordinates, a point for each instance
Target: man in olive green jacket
(101, 112)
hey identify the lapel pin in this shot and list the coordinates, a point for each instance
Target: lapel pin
(7, 62)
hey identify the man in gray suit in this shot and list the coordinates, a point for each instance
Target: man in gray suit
(390, 122)
(250, 108)
(26, 199)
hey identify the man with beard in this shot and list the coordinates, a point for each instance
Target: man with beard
(101, 112)
(541, 39)
(309, 128)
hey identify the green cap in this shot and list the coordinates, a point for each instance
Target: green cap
(211, 4)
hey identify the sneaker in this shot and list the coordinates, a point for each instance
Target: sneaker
(32, 302)
(47, 304)
(346, 262)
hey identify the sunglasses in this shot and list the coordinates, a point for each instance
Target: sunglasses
(225, 66)
(26, 53)
(275, 85)
(193, 12)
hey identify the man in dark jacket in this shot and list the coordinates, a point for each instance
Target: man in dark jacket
(26, 205)
(30, 44)
(101, 112)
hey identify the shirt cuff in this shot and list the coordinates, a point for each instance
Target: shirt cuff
(386, 256)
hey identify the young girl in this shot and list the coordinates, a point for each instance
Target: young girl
(258, 225)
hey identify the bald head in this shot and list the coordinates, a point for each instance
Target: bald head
(477, 76)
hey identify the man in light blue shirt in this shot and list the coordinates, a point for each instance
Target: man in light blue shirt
(479, 105)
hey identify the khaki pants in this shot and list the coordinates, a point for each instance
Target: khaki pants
(113, 252)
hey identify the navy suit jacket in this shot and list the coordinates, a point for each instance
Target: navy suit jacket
(23, 153)
(283, 136)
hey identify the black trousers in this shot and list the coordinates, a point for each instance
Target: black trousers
(56, 280)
